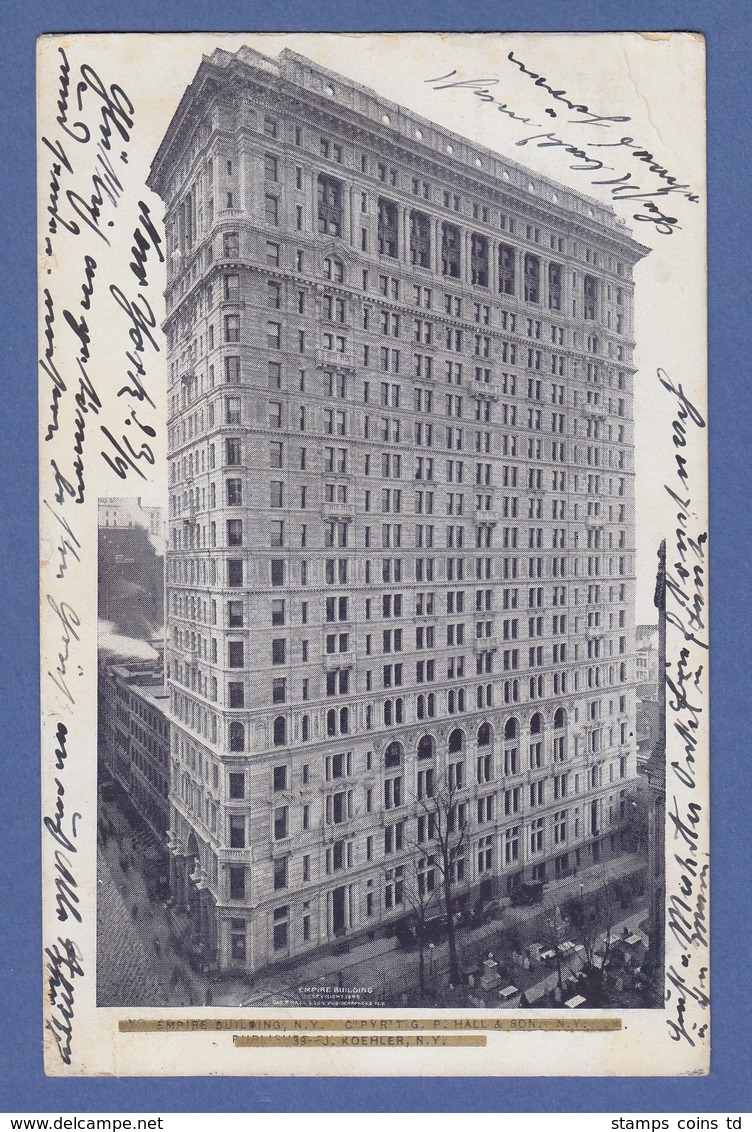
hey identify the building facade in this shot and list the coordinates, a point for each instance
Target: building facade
(129, 512)
(134, 735)
(401, 544)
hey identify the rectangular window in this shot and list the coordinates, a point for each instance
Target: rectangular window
(233, 451)
(281, 928)
(232, 370)
(234, 489)
(236, 694)
(237, 883)
(280, 873)
(450, 250)
(329, 206)
(232, 410)
(387, 228)
(281, 814)
(271, 209)
(235, 614)
(237, 785)
(420, 239)
(237, 832)
(234, 532)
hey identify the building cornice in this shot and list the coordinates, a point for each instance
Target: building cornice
(534, 194)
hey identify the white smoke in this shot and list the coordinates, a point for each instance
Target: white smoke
(122, 647)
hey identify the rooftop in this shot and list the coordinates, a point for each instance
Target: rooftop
(386, 121)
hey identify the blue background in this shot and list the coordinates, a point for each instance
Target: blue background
(23, 1086)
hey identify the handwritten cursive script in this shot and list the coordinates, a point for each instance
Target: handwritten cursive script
(599, 147)
(687, 995)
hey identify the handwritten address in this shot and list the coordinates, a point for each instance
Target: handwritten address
(596, 144)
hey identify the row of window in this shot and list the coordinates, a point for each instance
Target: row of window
(416, 247)
(335, 308)
(340, 765)
(426, 604)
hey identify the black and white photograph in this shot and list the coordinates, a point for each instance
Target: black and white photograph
(374, 492)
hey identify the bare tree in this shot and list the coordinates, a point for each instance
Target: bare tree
(555, 933)
(445, 828)
(421, 894)
(596, 915)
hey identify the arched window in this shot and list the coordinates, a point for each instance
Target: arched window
(536, 724)
(331, 722)
(344, 721)
(431, 705)
(393, 755)
(305, 728)
(426, 747)
(237, 736)
(511, 747)
(388, 713)
(280, 731)
(560, 720)
(420, 706)
(479, 696)
(456, 741)
(399, 705)
(484, 734)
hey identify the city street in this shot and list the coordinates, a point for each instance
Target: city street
(141, 962)
(137, 961)
(391, 973)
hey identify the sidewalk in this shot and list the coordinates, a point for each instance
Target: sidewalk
(137, 963)
(141, 962)
(389, 970)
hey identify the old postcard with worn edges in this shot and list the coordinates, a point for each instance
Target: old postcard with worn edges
(374, 555)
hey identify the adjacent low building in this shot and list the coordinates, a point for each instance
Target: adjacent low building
(134, 736)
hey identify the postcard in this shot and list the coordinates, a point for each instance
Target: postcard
(374, 554)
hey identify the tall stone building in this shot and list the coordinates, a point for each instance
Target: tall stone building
(402, 545)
